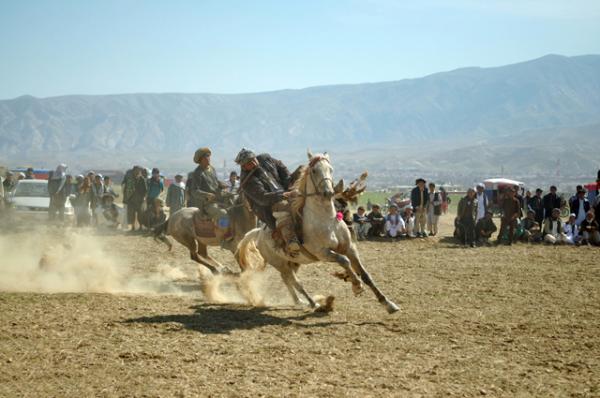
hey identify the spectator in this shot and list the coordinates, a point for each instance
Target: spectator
(536, 204)
(136, 201)
(176, 194)
(107, 187)
(29, 175)
(83, 201)
(589, 230)
(434, 210)
(551, 201)
(394, 224)
(580, 206)
(419, 198)
(377, 221)
(573, 198)
(58, 190)
(445, 200)
(155, 214)
(9, 184)
(233, 183)
(553, 229)
(511, 212)
(361, 223)
(571, 229)
(110, 211)
(409, 222)
(482, 202)
(531, 228)
(526, 201)
(467, 211)
(484, 228)
(155, 187)
(97, 193)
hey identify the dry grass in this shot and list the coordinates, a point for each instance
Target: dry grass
(519, 321)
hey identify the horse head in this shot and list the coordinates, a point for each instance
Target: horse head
(320, 176)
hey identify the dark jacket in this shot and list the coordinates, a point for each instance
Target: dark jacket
(575, 206)
(550, 201)
(415, 198)
(204, 180)
(485, 227)
(536, 204)
(467, 208)
(264, 186)
(588, 226)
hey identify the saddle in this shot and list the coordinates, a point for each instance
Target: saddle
(205, 227)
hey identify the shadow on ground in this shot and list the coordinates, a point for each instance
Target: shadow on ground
(222, 319)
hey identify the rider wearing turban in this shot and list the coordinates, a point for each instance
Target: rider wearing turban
(265, 181)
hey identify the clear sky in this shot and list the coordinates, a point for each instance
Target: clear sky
(59, 47)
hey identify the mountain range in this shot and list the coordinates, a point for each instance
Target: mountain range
(463, 108)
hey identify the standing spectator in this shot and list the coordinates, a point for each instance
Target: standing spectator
(394, 224)
(553, 229)
(361, 223)
(29, 175)
(551, 201)
(445, 200)
(233, 183)
(155, 187)
(589, 230)
(536, 204)
(409, 222)
(176, 194)
(136, 201)
(526, 202)
(482, 202)
(511, 212)
(467, 211)
(9, 184)
(571, 229)
(83, 200)
(97, 193)
(580, 206)
(107, 187)
(434, 210)
(532, 231)
(419, 198)
(573, 198)
(484, 228)
(2, 205)
(377, 221)
(189, 201)
(57, 189)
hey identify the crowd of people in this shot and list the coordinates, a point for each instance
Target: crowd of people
(532, 218)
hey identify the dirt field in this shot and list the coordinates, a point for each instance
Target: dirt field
(502, 321)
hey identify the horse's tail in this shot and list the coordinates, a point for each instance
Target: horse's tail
(247, 254)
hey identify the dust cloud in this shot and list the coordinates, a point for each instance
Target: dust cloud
(71, 261)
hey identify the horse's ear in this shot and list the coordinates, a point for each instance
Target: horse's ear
(326, 155)
(309, 154)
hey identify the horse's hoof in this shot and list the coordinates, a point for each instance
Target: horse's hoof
(357, 289)
(391, 307)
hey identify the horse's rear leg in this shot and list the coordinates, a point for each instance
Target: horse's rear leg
(196, 254)
(357, 265)
(287, 270)
(346, 264)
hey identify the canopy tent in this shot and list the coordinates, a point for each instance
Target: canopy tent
(493, 183)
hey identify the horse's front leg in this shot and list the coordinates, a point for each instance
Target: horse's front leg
(390, 306)
(344, 261)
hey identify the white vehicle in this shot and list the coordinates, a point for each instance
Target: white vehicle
(30, 200)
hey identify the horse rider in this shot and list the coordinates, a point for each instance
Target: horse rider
(207, 192)
(265, 182)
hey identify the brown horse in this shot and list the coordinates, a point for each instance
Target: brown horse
(183, 227)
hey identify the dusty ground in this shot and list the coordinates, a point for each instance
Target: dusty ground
(519, 321)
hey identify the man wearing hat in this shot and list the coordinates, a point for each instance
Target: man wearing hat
(206, 191)
(377, 221)
(265, 181)
(176, 194)
(553, 229)
(419, 198)
(466, 213)
(551, 201)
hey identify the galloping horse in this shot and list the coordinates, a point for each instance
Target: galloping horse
(182, 226)
(326, 238)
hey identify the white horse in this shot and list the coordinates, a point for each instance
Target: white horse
(326, 239)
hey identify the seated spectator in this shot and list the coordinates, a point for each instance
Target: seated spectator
(361, 223)
(110, 211)
(465, 220)
(589, 230)
(531, 228)
(553, 229)
(484, 229)
(377, 221)
(409, 222)
(572, 230)
(394, 224)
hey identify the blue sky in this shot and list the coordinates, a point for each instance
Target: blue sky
(50, 48)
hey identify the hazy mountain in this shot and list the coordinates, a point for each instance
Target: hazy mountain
(466, 106)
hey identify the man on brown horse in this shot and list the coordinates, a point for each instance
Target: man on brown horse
(207, 192)
(266, 181)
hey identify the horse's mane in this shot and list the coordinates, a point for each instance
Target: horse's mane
(299, 185)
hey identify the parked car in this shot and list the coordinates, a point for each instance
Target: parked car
(30, 201)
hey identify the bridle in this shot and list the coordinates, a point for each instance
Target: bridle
(311, 164)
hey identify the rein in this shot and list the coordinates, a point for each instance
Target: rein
(311, 164)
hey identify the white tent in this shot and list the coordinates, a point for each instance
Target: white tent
(492, 183)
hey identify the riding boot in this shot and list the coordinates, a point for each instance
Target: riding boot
(289, 236)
